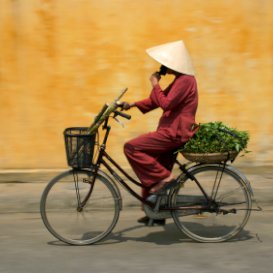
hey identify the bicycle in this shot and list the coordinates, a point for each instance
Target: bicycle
(211, 203)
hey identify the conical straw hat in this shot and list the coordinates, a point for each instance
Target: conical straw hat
(173, 55)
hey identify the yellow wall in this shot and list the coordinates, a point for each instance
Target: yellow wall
(60, 60)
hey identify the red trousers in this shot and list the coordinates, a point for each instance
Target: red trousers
(152, 157)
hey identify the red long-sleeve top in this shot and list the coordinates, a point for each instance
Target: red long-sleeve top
(179, 103)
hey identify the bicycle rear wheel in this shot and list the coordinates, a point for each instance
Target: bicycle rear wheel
(67, 217)
(215, 221)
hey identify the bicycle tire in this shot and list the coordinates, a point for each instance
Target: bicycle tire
(61, 214)
(232, 205)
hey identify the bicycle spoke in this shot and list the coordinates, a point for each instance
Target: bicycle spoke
(62, 208)
(220, 218)
(229, 194)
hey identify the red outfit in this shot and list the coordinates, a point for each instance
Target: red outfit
(151, 155)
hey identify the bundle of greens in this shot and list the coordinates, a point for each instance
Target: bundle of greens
(216, 137)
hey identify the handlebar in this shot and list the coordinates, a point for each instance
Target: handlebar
(118, 113)
(105, 112)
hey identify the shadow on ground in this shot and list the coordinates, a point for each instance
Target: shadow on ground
(167, 236)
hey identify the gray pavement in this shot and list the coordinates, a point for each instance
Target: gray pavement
(26, 245)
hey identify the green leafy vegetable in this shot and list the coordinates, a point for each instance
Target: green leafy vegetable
(215, 137)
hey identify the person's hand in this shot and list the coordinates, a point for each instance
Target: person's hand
(126, 106)
(154, 79)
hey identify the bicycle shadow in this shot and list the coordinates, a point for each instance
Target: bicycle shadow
(168, 235)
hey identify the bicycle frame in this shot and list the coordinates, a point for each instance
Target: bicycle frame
(203, 191)
(101, 160)
(103, 118)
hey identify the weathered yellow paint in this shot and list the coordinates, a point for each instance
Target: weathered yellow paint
(62, 59)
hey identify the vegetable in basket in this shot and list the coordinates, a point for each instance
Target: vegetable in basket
(216, 137)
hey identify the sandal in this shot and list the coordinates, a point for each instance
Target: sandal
(163, 186)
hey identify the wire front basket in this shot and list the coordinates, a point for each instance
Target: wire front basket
(79, 145)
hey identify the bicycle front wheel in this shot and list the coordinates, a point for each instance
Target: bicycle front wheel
(222, 216)
(77, 211)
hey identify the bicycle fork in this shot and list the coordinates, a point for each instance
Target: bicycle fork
(91, 182)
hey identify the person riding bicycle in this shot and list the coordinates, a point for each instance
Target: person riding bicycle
(151, 155)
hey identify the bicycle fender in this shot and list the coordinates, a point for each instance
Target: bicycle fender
(243, 177)
(230, 168)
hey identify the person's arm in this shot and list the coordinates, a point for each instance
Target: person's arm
(181, 89)
(144, 106)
